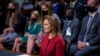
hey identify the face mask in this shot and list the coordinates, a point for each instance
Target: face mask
(34, 19)
(44, 12)
(91, 9)
(11, 10)
(70, 17)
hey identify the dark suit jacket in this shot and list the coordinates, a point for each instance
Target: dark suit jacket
(20, 26)
(75, 29)
(82, 1)
(93, 36)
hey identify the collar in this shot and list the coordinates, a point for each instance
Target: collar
(93, 14)
(74, 2)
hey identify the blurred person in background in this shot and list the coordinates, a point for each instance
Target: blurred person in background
(47, 9)
(14, 24)
(32, 31)
(88, 42)
(71, 27)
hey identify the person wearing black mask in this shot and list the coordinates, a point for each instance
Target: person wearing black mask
(88, 42)
(71, 27)
(11, 10)
(31, 35)
(47, 9)
(14, 25)
(91, 8)
(44, 8)
(34, 20)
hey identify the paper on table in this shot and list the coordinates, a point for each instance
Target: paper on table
(24, 55)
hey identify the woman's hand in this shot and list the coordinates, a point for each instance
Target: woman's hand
(8, 29)
(40, 34)
(5, 31)
(11, 29)
(26, 34)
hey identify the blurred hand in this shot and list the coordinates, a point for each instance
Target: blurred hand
(84, 45)
(26, 34)
(80, 45)
(40, 34)
(5, 31)
(11, 29)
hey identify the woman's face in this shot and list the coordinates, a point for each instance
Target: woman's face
(11, 6)
(47, 26)
(33, 16)
(44, 8)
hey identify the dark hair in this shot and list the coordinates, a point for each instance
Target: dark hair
(97, 1)
(69, 8)
(54, 1)
(67, 1)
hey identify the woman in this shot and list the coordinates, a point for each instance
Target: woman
(47, 9)
(14, 24)
(34, 41)
(34, 27)
(52, 43)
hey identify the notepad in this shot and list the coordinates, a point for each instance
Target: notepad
(24, 55)
(68, 31)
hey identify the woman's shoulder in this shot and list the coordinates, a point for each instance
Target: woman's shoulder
(21, 16)
(45, 37)
(59, 38)
(39, 24)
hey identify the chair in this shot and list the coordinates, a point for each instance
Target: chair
(97, 53)
(8, 45)
(67, 44)
(27, 8)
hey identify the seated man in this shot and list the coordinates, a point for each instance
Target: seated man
(89, 37)
(71, 26)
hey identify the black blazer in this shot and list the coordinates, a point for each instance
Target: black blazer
(75, 29)
(93, 36)
(2, 21)
(20, 26)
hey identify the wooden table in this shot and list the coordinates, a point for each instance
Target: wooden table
(10, 53)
